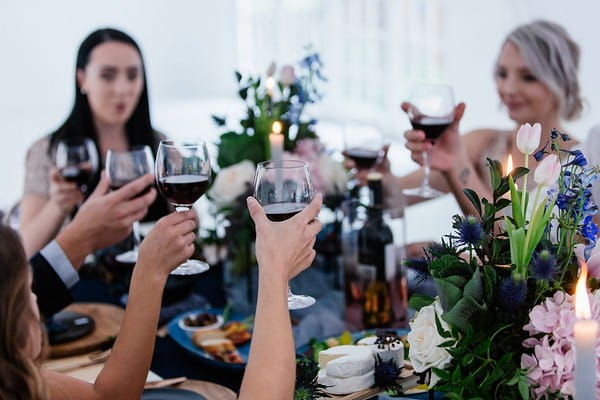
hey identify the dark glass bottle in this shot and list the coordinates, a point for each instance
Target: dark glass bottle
(376, 258)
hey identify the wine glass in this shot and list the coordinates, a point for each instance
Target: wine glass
(431, 110)
(77, 161)
(123, 167)
(182, 175)
(363, 145)
(284, 188)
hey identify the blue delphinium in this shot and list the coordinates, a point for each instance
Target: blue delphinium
(511, 294)
(543, 266)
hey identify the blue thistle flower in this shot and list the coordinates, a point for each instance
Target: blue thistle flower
(386, 375)
(511, 294)
(470, 231)
(543, 265)
(554, 133)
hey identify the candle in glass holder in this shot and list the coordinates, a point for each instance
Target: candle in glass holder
(586, 331)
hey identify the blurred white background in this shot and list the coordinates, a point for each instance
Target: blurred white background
(373, 51)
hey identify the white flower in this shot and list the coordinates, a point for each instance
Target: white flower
(232, 182)
(424, 340)
(528, 138)
(334, 176)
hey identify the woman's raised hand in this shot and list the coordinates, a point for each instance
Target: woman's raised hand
(284, 249)
(64, 195)
(447, 147)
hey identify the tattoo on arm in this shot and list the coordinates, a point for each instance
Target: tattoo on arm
(464, 176)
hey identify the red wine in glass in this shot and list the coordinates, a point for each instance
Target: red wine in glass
(183, 189)
(278, 212)
(73, 173)
(363, 158)
(432, 126)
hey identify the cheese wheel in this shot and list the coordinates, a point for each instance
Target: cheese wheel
(345, 385)
(355, 361)
(393, 352)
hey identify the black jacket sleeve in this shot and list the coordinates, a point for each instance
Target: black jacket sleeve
(52, 294)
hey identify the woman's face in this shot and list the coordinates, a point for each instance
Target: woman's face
(526, 99)
(35, 329)
(113, 81)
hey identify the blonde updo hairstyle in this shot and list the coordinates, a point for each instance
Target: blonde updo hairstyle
(553, 58)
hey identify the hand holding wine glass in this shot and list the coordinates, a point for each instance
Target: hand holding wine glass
(284, 189)
(125, 167)
(77, 161)
(182, 174)
(431, 110)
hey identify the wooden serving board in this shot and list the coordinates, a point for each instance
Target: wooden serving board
(408, 381)
(107, 318)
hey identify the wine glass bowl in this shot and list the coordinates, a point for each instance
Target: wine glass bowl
(283, 189)
(431, 110)
(123, 167)
(182, 173)
(363, 145)
(77, 161)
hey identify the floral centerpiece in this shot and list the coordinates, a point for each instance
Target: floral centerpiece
(282, 99)
(501, 326)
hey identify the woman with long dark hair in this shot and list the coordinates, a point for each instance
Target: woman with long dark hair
(111, 108)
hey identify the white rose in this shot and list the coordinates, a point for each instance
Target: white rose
(232, 182)
(334, 176)
(424, 340)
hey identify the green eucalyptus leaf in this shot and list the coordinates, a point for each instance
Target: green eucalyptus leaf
(495, 172)
(518, 172)
(449, 294)
(474, 287)
(524, 388)
(418, 301)
(459, 315)
(473, 198)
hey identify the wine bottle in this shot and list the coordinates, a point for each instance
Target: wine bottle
(376, 258)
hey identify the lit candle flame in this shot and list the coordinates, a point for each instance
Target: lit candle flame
(509, 165)
(276, 127)
(582, 302)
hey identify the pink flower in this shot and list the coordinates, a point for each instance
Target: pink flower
(528, 138)
(547, 171)
(271, 69)
(288, 76)
(550, 362)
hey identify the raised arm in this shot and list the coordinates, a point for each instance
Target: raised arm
(43, 215)
(169, 243)
(283, 250)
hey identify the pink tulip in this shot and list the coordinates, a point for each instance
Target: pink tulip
(288, 76)
(528, 138)
(593, 262)
(547, 171)
(271, 69)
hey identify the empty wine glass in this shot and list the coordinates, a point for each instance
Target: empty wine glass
(123, 167)
(77, 161)
(284, 188)
(431, 110)
(183, 175)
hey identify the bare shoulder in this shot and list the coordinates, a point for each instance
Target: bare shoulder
(479, 140)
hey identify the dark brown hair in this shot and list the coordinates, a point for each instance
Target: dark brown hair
(19, 375)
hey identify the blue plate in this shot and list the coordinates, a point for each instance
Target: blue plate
(182, 339)
(170, 394)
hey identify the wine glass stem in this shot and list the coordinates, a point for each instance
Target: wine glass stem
(426, 169)
(136, 235)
